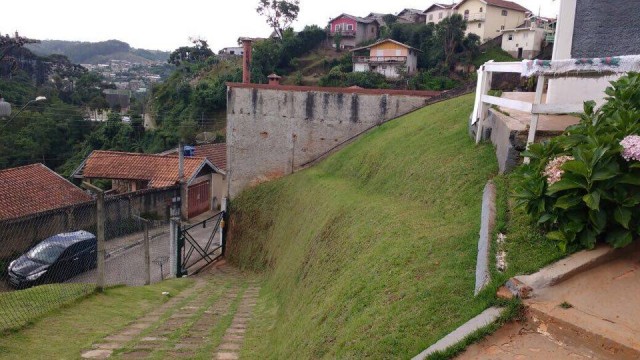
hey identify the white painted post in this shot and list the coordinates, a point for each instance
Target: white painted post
(484, 84)
(533, 127)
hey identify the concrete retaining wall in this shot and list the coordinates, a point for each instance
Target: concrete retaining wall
(274, 130)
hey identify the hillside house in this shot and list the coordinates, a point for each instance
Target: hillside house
(233, 50)
(354, 30)
(32, 189)
(438, 12)
(131, 172)
(217, 155)
(387, 57)
(413, 16)
(523, 43)
(488, 18)
(379, 17)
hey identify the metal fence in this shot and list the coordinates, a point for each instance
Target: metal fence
(46, 263)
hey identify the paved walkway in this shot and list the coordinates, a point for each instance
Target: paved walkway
(206, 321)
(592, 315)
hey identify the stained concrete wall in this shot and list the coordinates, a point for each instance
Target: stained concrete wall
(274, 130)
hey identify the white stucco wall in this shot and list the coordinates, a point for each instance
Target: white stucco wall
(530, 40)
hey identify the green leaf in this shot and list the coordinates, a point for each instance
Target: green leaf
(604, 174)
(588, 238)
(564, 184)
(589, 107)
(635, 165)
(592, 200)
(556, 236)
(629, 179)
(622, 216)
(576, 167)
(545, 218)
(568, 201)
(619, 238)
(598, 220)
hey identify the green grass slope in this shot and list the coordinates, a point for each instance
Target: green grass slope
(371, 253)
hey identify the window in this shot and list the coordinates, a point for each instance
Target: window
(466, 14)
(373, 30)
(504, 13)
(502, 27)
(480, 8)
(338, 27)
(430, 17)
(349, 27)
(510, 36)
(440, 15)
(479, 25)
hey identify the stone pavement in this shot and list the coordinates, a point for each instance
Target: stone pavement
(591, 315)
(206, 321)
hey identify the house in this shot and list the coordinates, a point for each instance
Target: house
(379, 17)
(354, 30)
(120, 98)
(217, 155)
(131, 172)
(413, 16)
(592, 29)
(233, 50)
(487, 18)
(387, 57)
(523, 42)
(33, 189)
(438, 12)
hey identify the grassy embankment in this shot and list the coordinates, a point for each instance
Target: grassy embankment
(372, 253)
(64, 332)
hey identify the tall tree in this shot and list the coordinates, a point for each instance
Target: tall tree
(280, 14)
(450, 35)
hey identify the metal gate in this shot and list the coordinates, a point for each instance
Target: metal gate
(200, 245)
(199, 198)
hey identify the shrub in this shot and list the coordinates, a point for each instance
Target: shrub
(367, 80)
(584, 186)
(427, 80)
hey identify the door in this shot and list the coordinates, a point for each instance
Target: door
(519, 53)
(199, 198)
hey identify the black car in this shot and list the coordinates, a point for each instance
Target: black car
(55, 259)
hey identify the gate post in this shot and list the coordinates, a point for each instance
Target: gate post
(174, 234)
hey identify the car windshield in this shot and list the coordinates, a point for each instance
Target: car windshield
(45, 253)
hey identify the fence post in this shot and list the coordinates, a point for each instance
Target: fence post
(100, 220)
(533, 127)
(174, 234)
(147, 254)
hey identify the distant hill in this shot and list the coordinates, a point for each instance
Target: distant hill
(98, 52)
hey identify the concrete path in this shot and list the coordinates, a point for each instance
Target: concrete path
(591, 315)
(206, 321)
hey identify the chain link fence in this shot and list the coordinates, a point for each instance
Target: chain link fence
(50, 259)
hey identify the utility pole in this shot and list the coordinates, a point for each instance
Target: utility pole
(100, 220)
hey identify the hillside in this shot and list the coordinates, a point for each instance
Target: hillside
(98, 52)
(372, 253)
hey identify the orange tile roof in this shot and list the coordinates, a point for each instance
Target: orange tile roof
(35, 188)
(215, 153)
(160, 171)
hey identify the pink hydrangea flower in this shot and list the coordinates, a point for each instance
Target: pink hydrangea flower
(553, 171)
(631, 145)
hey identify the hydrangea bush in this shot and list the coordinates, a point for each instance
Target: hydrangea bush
(584, 186)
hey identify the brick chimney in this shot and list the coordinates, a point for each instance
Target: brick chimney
(274, 79)
(246, 59)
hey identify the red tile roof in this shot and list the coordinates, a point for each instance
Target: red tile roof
(160, 171)
(501, 3)
(35, 188)
(215, 153)
(507, 5)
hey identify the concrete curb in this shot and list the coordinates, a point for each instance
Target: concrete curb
(487, 225)
(487, 317)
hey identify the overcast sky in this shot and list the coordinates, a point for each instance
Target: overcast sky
(166, 25)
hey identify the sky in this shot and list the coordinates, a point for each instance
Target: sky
(164, 25)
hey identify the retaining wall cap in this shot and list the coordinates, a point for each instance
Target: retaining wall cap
(418, 93)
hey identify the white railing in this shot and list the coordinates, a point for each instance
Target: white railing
(483, 100)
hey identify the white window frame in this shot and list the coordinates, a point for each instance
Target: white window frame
(505, 13)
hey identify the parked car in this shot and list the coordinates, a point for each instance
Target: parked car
(55, 259)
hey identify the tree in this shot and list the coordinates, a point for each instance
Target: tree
(190, 54)
(280, 14)
(450, 35)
